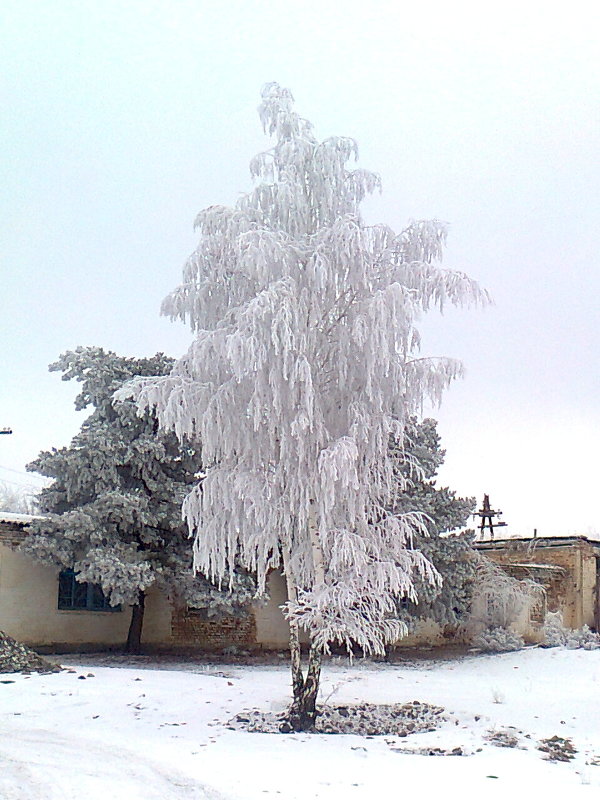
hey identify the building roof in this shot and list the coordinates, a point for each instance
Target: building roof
(535, 541)
(18, 519)
(13, 527)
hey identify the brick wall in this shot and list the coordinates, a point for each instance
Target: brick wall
(574, 591)
(11, 533)
(191, 628)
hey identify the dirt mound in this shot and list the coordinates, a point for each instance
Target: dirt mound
(17, 657)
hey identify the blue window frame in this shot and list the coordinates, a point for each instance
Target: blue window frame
(75, 596)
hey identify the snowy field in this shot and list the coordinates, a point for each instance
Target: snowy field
(138, 732)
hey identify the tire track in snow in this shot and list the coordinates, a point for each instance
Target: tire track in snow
(40, 765)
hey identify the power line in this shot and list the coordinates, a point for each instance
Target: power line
(21, 485)
(16, 471)
(43, 481)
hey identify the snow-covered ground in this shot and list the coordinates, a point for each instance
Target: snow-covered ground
(132, 732)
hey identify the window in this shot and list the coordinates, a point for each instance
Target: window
(538, 609)
(74, 596)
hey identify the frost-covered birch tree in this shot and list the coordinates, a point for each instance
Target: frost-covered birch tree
(305, 363)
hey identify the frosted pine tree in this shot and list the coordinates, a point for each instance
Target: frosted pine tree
(113, 510)
(418, 460)
(304, 365)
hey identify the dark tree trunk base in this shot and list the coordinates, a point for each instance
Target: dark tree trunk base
(134, 636)
(303, 711)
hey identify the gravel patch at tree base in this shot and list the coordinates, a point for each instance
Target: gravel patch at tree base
(506, 737)
(365, 719)
(17, 657)
(432, 751)
(558, 748)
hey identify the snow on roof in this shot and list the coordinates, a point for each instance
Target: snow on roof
(539, 541)
(20, 519)
(529, 565)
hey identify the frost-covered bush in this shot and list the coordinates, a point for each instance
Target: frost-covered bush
(557, 635)
(499, 604)
(497, 640)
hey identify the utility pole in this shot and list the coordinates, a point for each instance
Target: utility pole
(487, 516)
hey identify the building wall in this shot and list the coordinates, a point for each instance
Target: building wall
(192, 628)
(574, 593)
(272, 630)
(29, 594)
(427, 633)
(29, 612)
(589, 586)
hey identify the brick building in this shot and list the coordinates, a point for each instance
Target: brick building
(568, 567)
(45, 607)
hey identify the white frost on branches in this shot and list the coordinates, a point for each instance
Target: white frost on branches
(304, 366)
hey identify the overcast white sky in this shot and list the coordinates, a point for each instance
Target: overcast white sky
(121, 120)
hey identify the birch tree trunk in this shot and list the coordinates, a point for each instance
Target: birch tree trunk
(303, 711)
